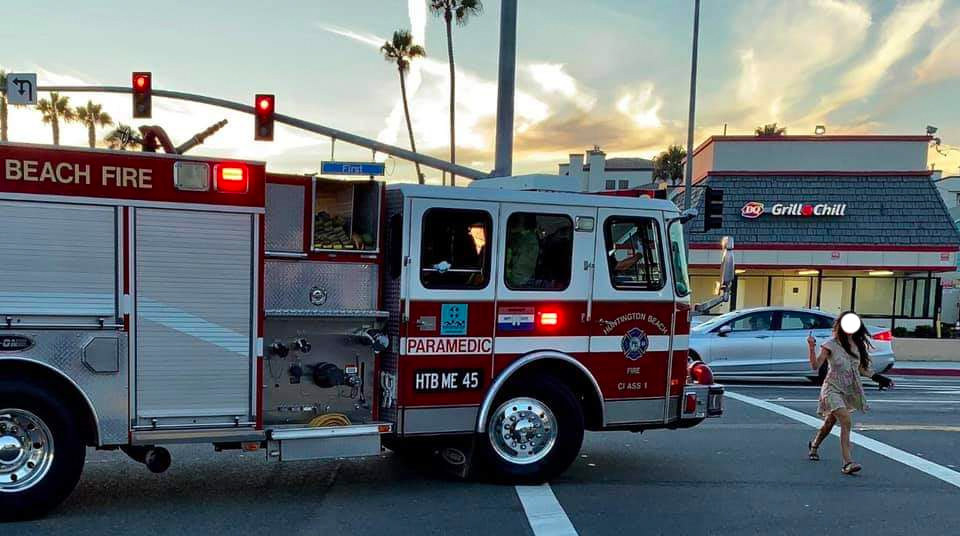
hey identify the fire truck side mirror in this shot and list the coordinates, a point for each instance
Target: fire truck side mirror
(728, 268)
(712, 209)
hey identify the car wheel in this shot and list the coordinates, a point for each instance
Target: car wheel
(41, 450)
(534, 432)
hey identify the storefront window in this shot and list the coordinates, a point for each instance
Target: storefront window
(875, 296)
(791, 291)
(703, 288)
(751, 291)
(836, 294)
(679, 255)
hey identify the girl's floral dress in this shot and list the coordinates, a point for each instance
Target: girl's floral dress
(841, 388)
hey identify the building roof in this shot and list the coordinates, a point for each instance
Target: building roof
(622, 164)
(902, 210)
(820, 138)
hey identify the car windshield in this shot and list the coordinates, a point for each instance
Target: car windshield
(715, 321)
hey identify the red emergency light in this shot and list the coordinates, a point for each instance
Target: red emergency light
(231, 178)
(549, 318)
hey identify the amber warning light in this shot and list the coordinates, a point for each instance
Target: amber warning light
(549, 318)
(231, 178)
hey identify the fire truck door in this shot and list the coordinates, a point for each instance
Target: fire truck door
(546, 255)
(194, 304)
(446, 354)
(632, 315)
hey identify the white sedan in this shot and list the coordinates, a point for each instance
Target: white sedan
(771, 341)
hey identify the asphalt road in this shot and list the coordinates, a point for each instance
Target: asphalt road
(745, 473)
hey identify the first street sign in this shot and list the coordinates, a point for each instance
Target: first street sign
(352, 168)
(21, 88)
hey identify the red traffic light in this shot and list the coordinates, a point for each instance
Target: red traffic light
(142, 105)
(263, 118)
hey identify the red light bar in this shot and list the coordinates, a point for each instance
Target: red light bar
(231, 178)
(549, 318)
(691, 403)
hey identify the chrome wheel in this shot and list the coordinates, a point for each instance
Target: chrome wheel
(522, 430)
(26, 450)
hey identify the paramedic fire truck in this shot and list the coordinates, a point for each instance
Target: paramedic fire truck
(150, 299)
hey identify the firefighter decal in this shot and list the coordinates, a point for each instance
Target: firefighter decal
(634, 343)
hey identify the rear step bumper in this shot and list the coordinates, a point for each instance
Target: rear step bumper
(293, 444)
(701, 401)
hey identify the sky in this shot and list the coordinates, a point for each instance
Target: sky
(612, 73)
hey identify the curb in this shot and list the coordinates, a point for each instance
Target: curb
(896, 371)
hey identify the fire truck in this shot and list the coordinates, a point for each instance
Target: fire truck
(154, 299)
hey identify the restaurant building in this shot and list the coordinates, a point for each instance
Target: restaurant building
(828, 222)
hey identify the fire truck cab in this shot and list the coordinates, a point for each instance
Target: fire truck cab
(151, 299)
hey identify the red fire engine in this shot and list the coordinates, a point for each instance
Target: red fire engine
(149, 299)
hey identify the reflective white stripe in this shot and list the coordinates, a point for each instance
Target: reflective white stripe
(681, 342)
(126, 305)
(935, 470)
(522, 345)
(258, 349)
(544, 513)
(612, 343)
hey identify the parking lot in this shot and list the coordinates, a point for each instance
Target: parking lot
(745, 473)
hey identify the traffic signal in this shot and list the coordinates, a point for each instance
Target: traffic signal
(142, 88)
(712, 209)
(263, 114)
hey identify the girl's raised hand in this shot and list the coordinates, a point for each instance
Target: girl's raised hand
(811, 341)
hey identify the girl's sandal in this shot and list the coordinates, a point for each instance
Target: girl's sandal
(850, 468)
(813, 454)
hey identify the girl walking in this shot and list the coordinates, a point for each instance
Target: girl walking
(842, 393)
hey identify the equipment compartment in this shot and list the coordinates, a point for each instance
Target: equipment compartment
(346, 215)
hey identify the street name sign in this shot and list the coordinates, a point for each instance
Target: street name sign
(352, 168)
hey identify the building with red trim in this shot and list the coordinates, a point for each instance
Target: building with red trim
(830, 222)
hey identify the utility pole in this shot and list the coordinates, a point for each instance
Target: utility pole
(505, 88)
(688, 180)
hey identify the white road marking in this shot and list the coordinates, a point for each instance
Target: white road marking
(872, 401)
(906, 428)
(935, 470)
(544, 513)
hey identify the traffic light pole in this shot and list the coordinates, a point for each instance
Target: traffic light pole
(332, 133)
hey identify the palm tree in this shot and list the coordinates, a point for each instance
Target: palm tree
(401, 50)
(54, 110)
(460, 10)
(668, 165)
(770, 130)
(122, 137)
(3, 105)
(92, 116)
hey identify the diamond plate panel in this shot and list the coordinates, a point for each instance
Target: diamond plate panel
(284, 225)
(348, 286)
(63, 351)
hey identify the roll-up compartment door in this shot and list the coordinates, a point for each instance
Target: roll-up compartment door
(59, 260)
(194, 310)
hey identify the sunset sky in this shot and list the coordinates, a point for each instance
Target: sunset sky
(614, 73)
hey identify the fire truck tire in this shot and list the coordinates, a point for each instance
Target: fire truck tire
(534, 432)
(33, 426)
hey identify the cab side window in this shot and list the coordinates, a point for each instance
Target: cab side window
(539, 251)
(634, 253)
(753, 322)
(455, 249)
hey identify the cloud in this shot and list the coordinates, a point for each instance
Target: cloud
(642, 107)
(787, 46)
(943, 62)
(553, 78)
(896, 40)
